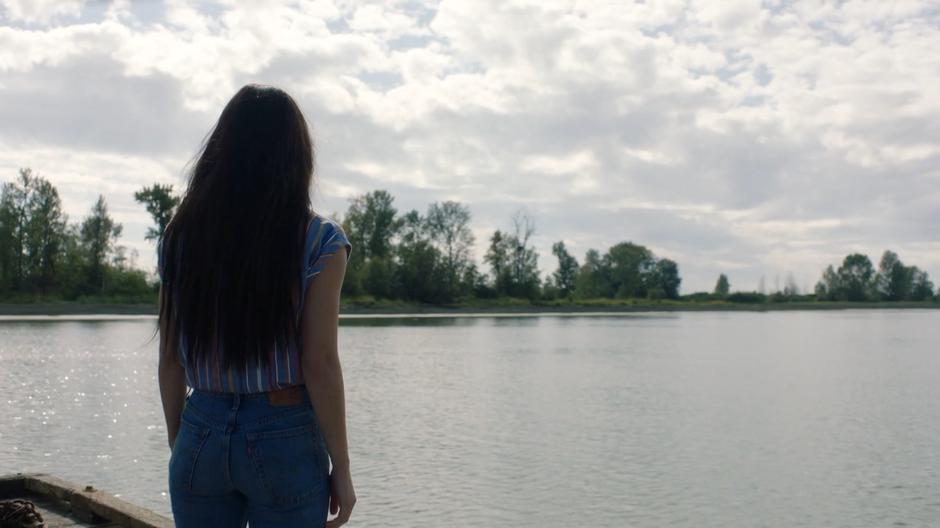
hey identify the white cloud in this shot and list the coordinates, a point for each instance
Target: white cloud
(40, 11)
(571, 164)
(376, 18)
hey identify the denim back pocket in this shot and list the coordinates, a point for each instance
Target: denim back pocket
(189, 442)
(291, 464)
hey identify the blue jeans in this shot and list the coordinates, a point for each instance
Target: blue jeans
(240, 458)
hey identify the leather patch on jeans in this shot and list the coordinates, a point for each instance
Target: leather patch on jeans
(288, 396)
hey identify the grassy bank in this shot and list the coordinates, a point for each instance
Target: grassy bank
(368, 305)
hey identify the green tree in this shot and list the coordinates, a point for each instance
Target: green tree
(160, 203)
(829, 287)
(32, 228)
(498, 256)
(897, 282)
(855, 277)
(474, 282)
(921, 286)
(371, 223)
(593, 277)
(629, 266)
(420, 273)
(72, 274)
(513, 261)
(549, 288)
(45, 233)
(853, 281)
(667, 278)
(11, 247)
(423, 271)
(14, 220)
(99, 233)
(378, 276)
(448, 228)
(525, 273)
(566, 276)
(9, 250)
(894, 280)
(722, 287)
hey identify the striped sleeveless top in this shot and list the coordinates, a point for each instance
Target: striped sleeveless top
(324, 238)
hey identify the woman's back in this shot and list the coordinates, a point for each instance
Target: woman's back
(249, 309)
(280, 367)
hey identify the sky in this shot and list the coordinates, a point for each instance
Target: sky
(745, 137)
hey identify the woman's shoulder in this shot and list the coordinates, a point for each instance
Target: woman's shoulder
(325, 236)
(324, 219)
(324, 225)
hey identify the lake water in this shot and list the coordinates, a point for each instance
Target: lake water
(780, 419)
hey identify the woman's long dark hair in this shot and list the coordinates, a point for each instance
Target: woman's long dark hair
(232, 251)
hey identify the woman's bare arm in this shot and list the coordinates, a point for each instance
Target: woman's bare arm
(323, 377)
(172, 380)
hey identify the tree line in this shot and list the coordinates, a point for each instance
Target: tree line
(44, 256)
(412, 256)
(426, 257)
(858, 280)
(855, 280)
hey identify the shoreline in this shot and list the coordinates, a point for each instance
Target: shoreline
(404, 309)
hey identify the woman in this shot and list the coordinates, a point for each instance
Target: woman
(249, 307)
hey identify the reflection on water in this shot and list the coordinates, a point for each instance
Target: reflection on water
(682, 419)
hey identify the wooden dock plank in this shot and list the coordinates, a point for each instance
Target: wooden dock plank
(66, 505)
(56, 513)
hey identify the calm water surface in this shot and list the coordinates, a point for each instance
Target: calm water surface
(779, 419)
